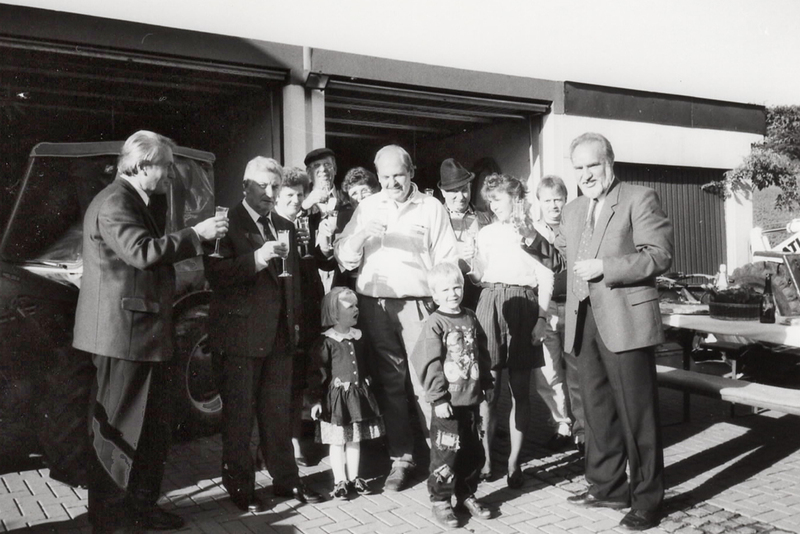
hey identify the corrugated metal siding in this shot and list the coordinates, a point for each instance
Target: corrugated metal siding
(698, 217)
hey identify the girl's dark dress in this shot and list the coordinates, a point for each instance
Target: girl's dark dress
(350, 412)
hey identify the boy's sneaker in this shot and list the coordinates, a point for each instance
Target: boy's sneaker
(361, 486)
(398, 478)
(443, 514)
(476, 508)
(340, 490)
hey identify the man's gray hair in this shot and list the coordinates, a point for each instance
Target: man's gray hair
(260, 165)
(396, 149)
(592, 137)
(141, 149)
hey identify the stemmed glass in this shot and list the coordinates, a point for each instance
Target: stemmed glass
(383, 217)
(333, 215)
(302, 224)
(221, 211)
(283, 237)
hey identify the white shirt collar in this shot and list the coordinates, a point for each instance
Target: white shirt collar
(137, 188)
(353, 333)
(253, 213)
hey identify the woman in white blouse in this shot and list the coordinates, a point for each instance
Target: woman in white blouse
(512, 310)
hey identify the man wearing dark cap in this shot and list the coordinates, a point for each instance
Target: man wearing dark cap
(456, 186)
(321, 168)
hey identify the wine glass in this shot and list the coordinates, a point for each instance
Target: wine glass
(302, 224)
(283, 237)
(333, 215)
(221, 211)
(383, 218)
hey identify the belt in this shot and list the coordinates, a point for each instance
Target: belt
(500, 285)
(559, 299)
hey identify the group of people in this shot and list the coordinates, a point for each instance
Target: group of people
(383, 303)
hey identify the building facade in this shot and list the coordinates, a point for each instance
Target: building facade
(67, 77)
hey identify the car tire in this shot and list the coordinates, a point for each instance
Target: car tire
(64, 416)
(198, 405)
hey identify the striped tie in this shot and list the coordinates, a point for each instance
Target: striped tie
(580, 287)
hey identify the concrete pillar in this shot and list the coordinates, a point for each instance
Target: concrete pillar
(303, 122)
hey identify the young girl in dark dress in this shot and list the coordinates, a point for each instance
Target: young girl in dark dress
(345, 407)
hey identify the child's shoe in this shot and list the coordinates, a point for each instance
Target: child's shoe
(476, 508)
(340, 490)
(361, 486)
(443, 514)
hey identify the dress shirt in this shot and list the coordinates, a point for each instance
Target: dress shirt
(501, 260)
(418, 236)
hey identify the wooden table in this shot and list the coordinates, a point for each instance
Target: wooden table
(743, 332)
(777, 334)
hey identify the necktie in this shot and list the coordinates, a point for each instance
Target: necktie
(580, 287)
(268, 234)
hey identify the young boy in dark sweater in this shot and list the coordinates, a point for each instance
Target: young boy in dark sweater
(452, 362)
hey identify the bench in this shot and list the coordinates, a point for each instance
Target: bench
(776, 398)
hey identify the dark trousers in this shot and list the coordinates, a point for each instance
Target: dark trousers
(456, 454)
(131, 431)
(620, 401)
(260, 388)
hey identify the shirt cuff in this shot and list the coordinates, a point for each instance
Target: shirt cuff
(261, 264)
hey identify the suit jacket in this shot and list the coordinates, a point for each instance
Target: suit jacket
(128, 283)
(634, 238)
(247, 306)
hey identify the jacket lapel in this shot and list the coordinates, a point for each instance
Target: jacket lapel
(604, 218)
(147, 216)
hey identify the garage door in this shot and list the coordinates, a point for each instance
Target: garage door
(432, 125)
(61, 93)
(698, 217)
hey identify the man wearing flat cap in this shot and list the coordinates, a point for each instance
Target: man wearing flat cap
(323, 202)
(456, 186)
(321, 169)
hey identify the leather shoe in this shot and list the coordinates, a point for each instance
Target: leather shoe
(154, 518)
(398, 479)
(443, 514)
(590, 501)
(640, 519)
(515, 480)
(476, 508)
(248, 503)
(299, 492)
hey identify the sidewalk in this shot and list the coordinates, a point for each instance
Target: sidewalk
(724, 474)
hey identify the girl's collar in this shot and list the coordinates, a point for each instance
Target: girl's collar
(354, 333)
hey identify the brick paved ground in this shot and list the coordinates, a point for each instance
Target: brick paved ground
(724, 474)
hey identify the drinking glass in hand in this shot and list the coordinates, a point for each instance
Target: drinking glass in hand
(333, 217)
(302, 224)
(221, 211)
(283, 237)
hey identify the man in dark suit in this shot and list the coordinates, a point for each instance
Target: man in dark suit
(124, 319)
(253, 332)
(616, 239)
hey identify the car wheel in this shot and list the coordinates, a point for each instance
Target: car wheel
(198, 403)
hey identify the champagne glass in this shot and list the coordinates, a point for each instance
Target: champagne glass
(333, 215)
(383, 217)
(302, 224)
(221, 211)
(283, 237)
